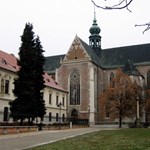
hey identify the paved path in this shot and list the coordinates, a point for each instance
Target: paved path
(28, 140)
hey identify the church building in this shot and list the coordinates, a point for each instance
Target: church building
(87, 69)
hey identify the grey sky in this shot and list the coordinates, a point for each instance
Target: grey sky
(58, 21)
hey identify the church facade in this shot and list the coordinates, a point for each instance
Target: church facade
(86, 71)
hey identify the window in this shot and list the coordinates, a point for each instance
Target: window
(56, 99)
(148, 79)
(56, 116)
(107, 112)
(111, 76)
(50, 98)
(63, 101)
(50, 116)
(63, 119)
(7, 86)
(75, 88)
(2, 86)
(5, 114)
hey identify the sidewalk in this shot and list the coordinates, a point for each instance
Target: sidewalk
(27, 140)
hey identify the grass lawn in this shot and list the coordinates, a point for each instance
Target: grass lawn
(122, 139)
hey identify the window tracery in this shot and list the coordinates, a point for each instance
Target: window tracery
(75, 88)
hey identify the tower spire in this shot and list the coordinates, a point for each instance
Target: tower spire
(94, 12)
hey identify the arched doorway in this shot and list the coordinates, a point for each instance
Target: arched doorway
(74, 116)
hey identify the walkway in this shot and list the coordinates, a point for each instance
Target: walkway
(27, 140)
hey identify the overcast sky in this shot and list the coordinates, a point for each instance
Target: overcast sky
(58, 21)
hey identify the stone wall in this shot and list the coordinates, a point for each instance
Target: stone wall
(17, 129)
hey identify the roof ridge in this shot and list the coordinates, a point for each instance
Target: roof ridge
(135, 45)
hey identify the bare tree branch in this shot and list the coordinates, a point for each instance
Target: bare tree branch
(121, 5)
(116, 6)
(147, 26)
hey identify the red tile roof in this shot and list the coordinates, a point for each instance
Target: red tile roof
(49, 81)
(9, 62)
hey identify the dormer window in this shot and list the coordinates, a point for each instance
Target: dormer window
(3, 61)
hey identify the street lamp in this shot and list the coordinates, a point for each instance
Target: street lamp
(59, 105)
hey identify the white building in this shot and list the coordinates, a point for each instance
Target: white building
(54, 95)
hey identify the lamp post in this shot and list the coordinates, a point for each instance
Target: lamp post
(59, 105)
(138, 113)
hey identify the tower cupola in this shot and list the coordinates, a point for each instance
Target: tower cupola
(95, 38)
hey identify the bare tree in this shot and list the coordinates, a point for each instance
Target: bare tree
(147, 26)
(122, 4)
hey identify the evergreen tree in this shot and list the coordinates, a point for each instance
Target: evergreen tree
(39, 80)
(27, 91)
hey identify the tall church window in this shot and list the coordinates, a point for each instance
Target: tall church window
(75, 88)
(111, 78)
(148, 79)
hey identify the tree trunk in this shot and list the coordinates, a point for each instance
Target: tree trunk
(120, 119)
(21, 122)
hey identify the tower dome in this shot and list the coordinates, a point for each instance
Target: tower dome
(95, 29)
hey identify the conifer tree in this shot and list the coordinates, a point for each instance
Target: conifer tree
(29, 100)
(39, 81)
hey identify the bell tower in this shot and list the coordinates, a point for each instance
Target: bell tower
(95, 38)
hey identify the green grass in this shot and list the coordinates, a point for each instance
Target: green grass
(123, 139)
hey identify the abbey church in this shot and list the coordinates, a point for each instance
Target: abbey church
(86, 71)
(74, 82)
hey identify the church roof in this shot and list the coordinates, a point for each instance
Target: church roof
(91, 53)
(108, 58)
(130, 69)
(52, 62)
(117, 57)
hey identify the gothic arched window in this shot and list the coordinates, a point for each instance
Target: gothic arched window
(111, 78)
(148, 79)
(75, 88)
